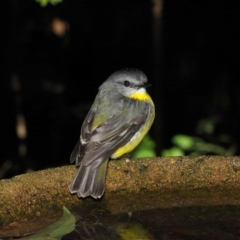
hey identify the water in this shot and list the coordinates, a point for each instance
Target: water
(190, 223)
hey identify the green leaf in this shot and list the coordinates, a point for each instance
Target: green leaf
(146, 148)
(183, 141)
(44, 3)
(174, 151)
(142, 153)
(207, 125)
(57, 230)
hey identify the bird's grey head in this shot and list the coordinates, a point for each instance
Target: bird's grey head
(127, 81)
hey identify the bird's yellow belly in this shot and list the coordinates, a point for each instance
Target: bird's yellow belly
(135, 140)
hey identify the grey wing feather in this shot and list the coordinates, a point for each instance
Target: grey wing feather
(75, 152)
(110, 141)
(86, 130)
(98, 145)
(78, 151)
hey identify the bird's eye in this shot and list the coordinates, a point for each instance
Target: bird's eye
(126, 83)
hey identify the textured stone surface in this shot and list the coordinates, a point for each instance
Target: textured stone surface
(152, 183)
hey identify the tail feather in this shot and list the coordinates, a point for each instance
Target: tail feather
(89, 181)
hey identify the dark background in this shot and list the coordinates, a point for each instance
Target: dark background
(189, 51)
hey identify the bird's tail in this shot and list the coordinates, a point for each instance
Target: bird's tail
(89, 181)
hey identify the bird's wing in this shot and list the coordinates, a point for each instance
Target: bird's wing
(106, 140)
(86, 132)
(99, 144)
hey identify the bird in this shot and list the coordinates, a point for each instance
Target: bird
(120, 116)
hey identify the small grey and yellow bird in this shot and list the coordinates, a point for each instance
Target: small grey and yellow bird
(120, 116)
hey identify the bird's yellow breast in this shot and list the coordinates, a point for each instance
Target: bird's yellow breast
(138, 136)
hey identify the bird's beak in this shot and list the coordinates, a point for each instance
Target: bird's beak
(146, 85)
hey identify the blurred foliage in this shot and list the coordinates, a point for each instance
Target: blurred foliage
(146, 148)
(44, 3)
(207, 143)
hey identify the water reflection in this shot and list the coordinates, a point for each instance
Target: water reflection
(195, 223)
